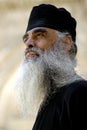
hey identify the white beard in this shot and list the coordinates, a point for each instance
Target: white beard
(34, 78)
(29, 88)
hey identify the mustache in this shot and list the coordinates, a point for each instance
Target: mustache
(35, 49)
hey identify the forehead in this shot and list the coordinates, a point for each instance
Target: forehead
(39, 29)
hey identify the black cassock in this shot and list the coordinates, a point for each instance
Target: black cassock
(65, 110)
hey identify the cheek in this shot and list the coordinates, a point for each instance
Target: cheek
(43, 44)
(46, 43)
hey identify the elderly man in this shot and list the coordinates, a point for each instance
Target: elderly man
(48, 86)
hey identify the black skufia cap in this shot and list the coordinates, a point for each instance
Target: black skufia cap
(46, 15)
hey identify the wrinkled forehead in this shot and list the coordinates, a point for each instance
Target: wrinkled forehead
(39, 30)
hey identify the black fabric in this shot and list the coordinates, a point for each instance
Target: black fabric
(46, 15)
(66, 109)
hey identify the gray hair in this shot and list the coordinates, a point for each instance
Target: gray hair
(73, 50)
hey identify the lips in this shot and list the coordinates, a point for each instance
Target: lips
(31, 54)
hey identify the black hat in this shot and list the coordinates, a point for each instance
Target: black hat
(46, 15)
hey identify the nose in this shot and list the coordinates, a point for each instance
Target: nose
(30, 42)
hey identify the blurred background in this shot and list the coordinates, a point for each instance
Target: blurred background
(13, 21)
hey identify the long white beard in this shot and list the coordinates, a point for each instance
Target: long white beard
(34, 78)
(30, 88)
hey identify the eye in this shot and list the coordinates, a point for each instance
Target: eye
(39, 35)
(25, 39)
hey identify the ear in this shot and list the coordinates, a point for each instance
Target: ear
(68, 42)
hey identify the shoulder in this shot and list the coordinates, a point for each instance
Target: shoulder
(76, 89)
(77, 103)
(76, 97)
(73, 96)
(71, 92)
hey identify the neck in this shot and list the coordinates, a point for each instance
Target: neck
(58, 80)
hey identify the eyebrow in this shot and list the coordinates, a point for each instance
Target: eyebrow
(36, 31)
(40, 30)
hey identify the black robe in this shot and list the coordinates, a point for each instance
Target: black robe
(65, 110)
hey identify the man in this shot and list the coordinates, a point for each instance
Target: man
(47, 85)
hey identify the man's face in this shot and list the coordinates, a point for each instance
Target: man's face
(41, 38)
(46, 62)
